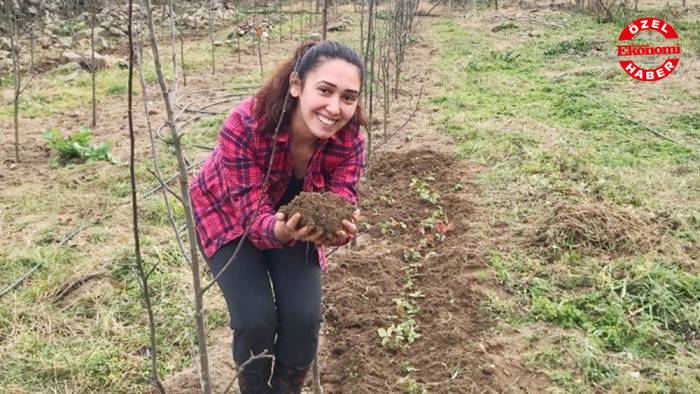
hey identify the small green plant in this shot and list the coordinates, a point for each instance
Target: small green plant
(437, 216)
(400, 335)
(387, 227)
(410, 386)
(406, 367)
(69, 27)
(406, 307)
(76, 147)
(412, 256)
(423, 189)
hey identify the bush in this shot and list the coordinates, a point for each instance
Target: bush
(76, 147)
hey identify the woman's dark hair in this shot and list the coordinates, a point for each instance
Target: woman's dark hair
(270, 98)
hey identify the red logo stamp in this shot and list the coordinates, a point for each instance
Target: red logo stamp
(652, 74)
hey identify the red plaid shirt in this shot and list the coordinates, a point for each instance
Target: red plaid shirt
(227, 189)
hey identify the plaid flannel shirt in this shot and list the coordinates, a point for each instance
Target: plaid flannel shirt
(226, 191)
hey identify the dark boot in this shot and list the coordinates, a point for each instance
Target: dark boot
(287, 379)
(254, 381)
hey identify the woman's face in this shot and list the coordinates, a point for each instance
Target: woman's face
(328, 98)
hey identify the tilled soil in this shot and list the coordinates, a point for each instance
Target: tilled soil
(363, 282)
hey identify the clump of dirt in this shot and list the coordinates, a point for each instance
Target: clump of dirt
(594, 229)
(322, 210)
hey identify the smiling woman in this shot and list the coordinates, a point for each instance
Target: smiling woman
(272, 287)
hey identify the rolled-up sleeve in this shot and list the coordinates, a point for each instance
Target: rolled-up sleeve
(243, 180)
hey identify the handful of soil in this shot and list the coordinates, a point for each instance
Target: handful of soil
(322, 210)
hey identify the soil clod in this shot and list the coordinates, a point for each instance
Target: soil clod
(322, 210)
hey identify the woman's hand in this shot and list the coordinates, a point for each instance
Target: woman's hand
(289, 230)
(341, 236)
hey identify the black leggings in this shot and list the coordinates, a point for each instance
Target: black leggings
(272, 293)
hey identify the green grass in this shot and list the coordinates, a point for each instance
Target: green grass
(550, 127)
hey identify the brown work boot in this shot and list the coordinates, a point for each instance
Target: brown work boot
(287, 379)
(254, 381)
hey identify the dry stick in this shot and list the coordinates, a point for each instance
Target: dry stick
(166, 189)
(182, 174)
(318, 389)
(64, 241)
(260, 356)
(155, 380)
(433, 7)
(154, 154)
(70, 287)
(170, 179)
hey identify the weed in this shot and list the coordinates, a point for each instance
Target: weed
(504, 26)
(76, 147)
(576, 46)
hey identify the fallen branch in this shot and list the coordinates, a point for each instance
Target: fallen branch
(75, 284)
(170, 179)
(64, 241)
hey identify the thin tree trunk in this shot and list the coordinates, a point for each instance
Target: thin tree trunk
(368, 44)
(279, 11)
(182, 60)
(93, 69)
(16, 70)
(262, 77)
(183, 180)
(211, 36)
(155, 380)
(32, 38)
(173, 34)
(324, 21)
(362, 26)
